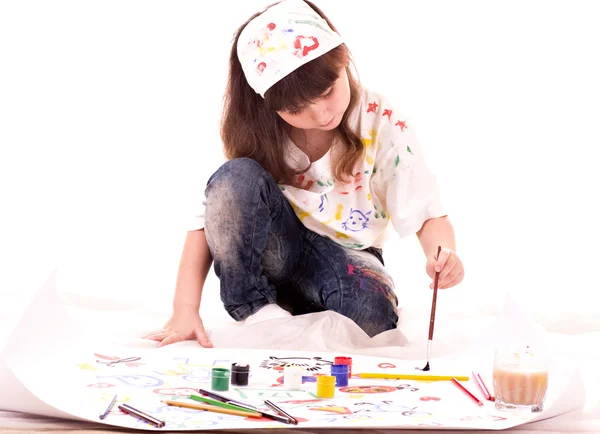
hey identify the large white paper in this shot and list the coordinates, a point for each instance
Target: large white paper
(54, 370)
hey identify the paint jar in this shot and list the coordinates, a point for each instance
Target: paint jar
(340, 372)
(292, 377)
(220, 379)
(240, 372)
(325, 386)
(342, 360)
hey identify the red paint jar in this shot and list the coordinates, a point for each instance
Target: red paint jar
(342, 360)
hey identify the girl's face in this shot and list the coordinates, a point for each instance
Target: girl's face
(327, 112)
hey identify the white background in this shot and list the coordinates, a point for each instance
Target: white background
(109, 116)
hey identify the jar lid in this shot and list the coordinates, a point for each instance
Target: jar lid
(240, 367)
(326, 379)
(220, 372)
(339, 369)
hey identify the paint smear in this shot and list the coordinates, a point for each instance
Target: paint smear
(339, 235)
(300, 212)
(338, 212)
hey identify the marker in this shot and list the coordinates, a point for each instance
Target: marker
(292, 419)
(412, 377)
(137, 413)
(110, 406)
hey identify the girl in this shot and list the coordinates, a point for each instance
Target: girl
(319, 171)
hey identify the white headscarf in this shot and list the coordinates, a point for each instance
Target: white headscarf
(280, 40)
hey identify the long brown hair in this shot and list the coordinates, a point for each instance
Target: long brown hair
(250, 126)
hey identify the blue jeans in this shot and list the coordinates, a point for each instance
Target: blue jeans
(263, 254)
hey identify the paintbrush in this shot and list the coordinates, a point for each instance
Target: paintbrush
(432, 318)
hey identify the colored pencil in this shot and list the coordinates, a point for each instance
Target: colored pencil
(109, 408)
(219, 403)
(481, 384)
(226, 400)
(466, 392)
(139, 414)
(411, 377)
(212, 408)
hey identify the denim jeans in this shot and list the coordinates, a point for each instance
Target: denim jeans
(264, 254)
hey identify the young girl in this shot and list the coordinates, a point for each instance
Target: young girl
(319, 171)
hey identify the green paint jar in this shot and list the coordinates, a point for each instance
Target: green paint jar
(220, 379)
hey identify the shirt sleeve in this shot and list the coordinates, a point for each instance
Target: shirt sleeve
(402, 182)
(196, 222)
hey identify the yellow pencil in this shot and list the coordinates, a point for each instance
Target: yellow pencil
(213, 408)
(412, 377)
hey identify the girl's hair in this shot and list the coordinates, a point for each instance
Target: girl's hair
(250, 126)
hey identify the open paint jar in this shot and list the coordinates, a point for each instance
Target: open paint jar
(520, 378)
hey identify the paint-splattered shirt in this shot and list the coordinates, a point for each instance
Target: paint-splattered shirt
(391, 188)
(391, 184)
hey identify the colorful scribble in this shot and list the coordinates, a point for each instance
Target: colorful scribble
(374, 280)
(332, 408)
(367, 389)
(112, 361)
(135, 380)
(176, 391)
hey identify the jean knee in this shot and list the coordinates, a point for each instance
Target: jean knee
(374, 314)
(233, 188)
(239, 174)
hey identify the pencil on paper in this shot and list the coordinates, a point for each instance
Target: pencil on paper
(481, 384)
(466, 392)
(226, 400)
(391, 376)
(109, 408)
(219, 403)
(213, 408)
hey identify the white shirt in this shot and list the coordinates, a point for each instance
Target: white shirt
(391, 184)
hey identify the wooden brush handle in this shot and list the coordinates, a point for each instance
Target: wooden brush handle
(435, 289)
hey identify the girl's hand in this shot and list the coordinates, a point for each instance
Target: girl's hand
(449, 266)
(182, 326)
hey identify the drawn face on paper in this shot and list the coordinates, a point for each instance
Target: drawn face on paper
(309, 364)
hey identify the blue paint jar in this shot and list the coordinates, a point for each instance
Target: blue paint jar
(340, 372)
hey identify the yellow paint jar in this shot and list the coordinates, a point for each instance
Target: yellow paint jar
(325, 386)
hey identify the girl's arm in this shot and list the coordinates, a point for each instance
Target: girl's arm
(193, 268)
(185, 322)
(436, 232)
